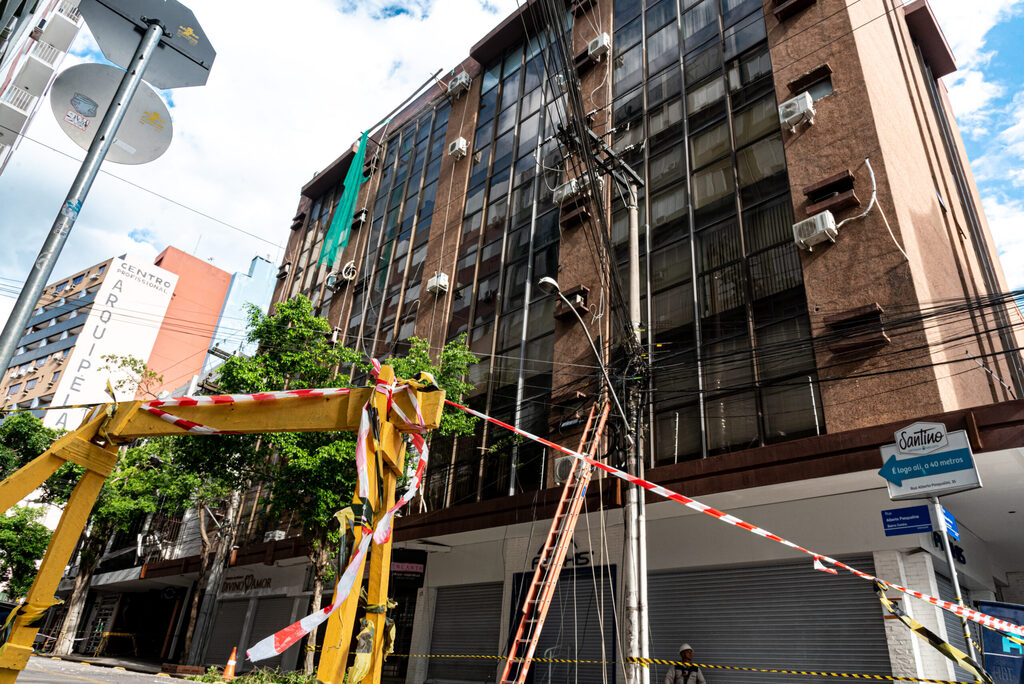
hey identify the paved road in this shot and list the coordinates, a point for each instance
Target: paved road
(49, 671)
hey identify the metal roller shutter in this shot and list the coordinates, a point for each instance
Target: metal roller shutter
(954, 630)
(227, 630)
(785, 616)
(466, 622)
(572, 629)
(272, 614)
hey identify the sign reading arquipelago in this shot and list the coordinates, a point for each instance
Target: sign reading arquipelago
(927, 461)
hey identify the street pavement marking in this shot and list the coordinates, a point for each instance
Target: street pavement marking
(61, 674)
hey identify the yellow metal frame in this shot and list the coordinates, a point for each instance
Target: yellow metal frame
(94, 446)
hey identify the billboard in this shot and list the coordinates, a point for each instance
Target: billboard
(125, 319)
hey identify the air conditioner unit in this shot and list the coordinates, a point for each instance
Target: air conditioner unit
(94, 276)
(274, 535)
(458, 148)
(814, 230)
(599, 47)
(563, 469)
(333, 280)
(573, 188)
(360, 216)
(796, 111)
(349, 271)
(459, 84)
(438, 284)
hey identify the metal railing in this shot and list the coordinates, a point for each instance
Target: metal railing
(45, 52)
(69, 8)
(17, 98)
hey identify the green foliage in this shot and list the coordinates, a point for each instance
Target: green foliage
(23, 541)
(258, 676)
(132, 375)
(22, 438)
(449, 370)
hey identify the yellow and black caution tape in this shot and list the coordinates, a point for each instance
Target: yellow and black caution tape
(657, 661)
(945, 648)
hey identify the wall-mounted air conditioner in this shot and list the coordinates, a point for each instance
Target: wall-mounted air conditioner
(796, 111)
(599, 47)
(459, 84)
(573, 188)
(563, 468)
(817, 229)
(274, 535)
(438, 284)
(458, 148)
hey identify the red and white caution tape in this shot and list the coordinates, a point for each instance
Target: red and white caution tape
(819, 559)
(276, 643)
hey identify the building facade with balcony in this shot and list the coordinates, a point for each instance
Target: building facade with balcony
(781, 353)
(774, 373)
(34, 37)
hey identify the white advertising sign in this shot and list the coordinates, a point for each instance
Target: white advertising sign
(927, 461)
(125, 318)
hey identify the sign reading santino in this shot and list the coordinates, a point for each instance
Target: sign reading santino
(125, 318)
(926, 461)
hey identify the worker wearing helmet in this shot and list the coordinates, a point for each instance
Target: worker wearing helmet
(687, 673)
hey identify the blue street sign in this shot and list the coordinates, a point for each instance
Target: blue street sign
(1004, 659)
(897, 470)
(951, 529)
(912, 520)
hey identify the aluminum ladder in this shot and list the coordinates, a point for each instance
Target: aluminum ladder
(552, 557)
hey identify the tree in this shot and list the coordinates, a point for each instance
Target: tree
(22, 438)
(132, 375)
(23, 542)
(313, 474)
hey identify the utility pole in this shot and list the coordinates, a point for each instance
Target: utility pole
(940, 525)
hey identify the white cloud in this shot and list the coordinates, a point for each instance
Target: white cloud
(1005, 217)
(289, 91)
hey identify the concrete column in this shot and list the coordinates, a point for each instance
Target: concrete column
(422, 627)
(910, 655)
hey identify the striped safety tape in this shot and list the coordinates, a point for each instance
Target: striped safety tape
(819, 559)
(277, 643)
(934, 640)
(658, 661)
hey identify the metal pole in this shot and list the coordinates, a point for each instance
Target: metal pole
(634, 547)
(68, 214)
(940, 520)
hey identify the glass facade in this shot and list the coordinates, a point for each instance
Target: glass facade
(694, 112)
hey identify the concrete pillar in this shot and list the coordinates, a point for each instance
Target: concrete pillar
(422, 627)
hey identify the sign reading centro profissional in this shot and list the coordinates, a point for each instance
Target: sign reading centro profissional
(927, 461)
(125, 317)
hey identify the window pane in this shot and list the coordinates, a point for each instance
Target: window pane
(490, 78)
(744, 35)
(768, 225)
(628, 36)
(703, 63)
(775, 271)
(664, 86)
(728, 364)
(705, 95)
(668, 206)
(784, 348)
(749, 69)
(718, 245)
(732, 10)
(627, 70)
(673, 312)
(628, 108)
(790, 411)
(667, 167)
(670, 265)
(700, 23)
(721, 291)
(709, 145)
(666, 120)
(677, 434)
(662, 49)
(762, 168)
(712, 184)
(732, 423)
(756, 121)
(659, 14)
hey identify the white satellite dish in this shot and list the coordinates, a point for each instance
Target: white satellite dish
(80, 97)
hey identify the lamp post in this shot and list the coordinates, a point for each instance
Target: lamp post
(634, 546)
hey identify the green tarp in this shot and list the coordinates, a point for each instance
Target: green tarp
(341, 223)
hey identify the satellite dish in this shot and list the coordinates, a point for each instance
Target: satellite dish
(80, 97)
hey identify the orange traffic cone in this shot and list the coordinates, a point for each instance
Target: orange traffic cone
(229, 669)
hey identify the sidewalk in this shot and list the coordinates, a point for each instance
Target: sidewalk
(125, 663)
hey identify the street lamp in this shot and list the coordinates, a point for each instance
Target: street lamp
(549, 285)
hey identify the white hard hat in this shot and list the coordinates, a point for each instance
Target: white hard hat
(685, 647)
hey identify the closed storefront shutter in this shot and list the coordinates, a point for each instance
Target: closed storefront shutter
(573, 627)
(272, 614)
(784, 616)
(954, 630)
(466, 622)
(227, 629)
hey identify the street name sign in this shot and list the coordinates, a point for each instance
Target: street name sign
(910, 520)
(951, 527)
(927, 461)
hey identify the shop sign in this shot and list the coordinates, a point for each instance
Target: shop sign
(245, 584)
(573, 558)
(1004, 658)
(927, 461)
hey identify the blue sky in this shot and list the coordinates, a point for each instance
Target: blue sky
(245, 143)
(987, 93)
